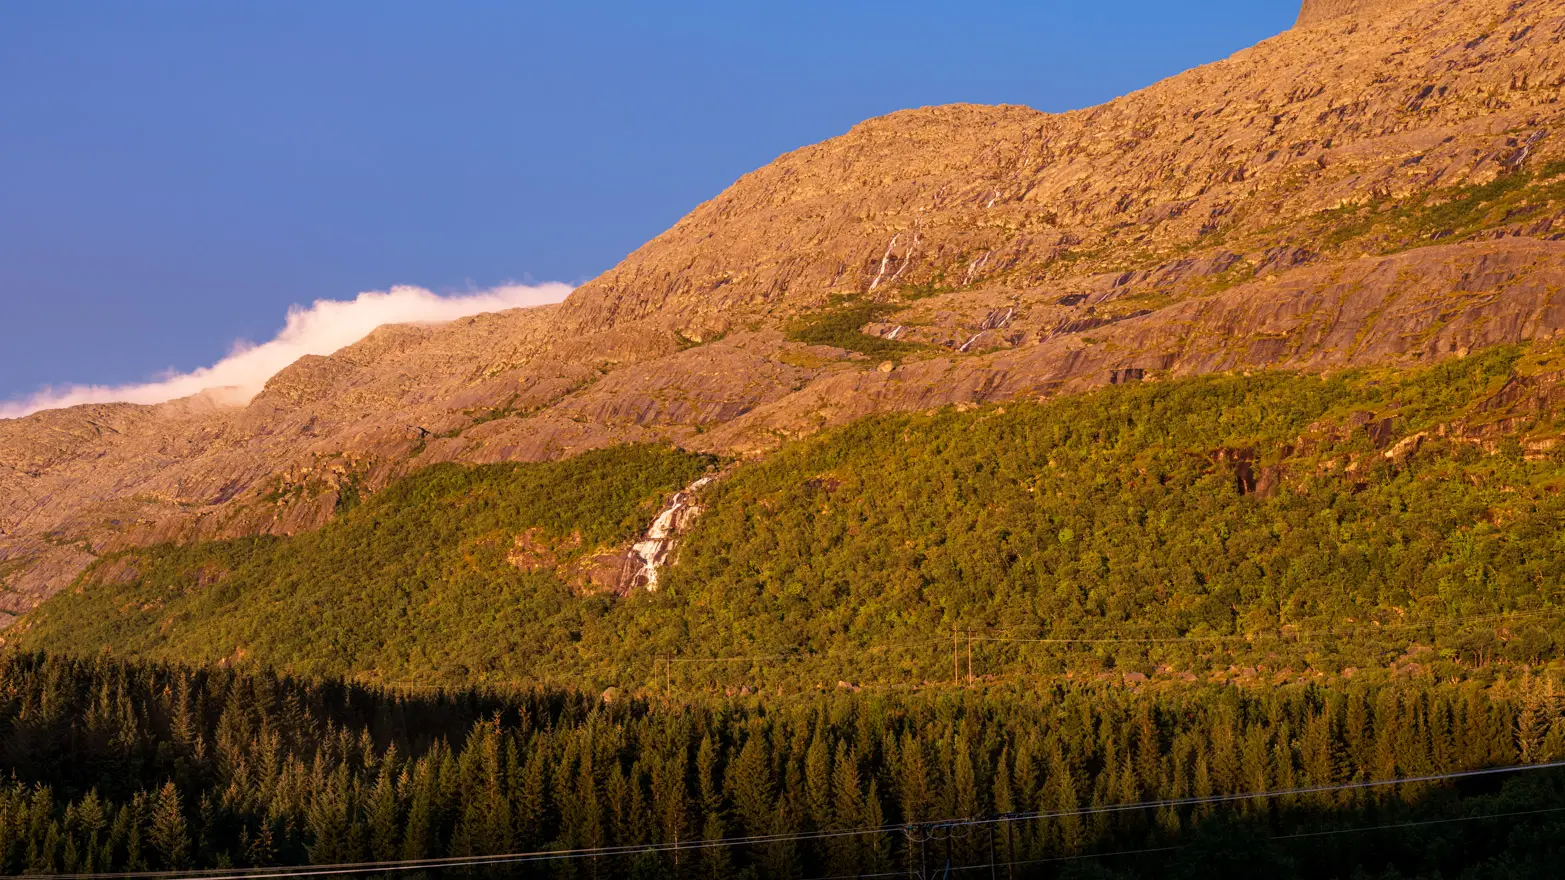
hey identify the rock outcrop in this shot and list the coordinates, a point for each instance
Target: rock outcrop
(1316, 11)
(1382, 184)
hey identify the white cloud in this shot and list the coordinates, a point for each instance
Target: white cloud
(321, 329)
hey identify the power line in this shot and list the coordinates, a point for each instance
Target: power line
(1396, 825)
(1359, 829)
(1302, 636)
(752, 659)
(802, 654)
(754, 840)
(1118, 641)
(1018, 864)
(1373, 624)
(1262, 795)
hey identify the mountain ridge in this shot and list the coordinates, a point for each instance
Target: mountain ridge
(1379, 187)
(1314, 12)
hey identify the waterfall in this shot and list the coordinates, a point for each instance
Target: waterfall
(653, 549)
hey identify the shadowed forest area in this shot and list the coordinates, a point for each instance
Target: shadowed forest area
(129, 767)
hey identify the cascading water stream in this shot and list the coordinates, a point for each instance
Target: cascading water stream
(649, 553)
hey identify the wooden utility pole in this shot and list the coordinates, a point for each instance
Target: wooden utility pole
(1010, 858)
(969, 656)
(992, 859)
(956, 673)
(923, 853)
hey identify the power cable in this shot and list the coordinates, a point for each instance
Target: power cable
(1300, 637)
(1158, 849)
(639, 849)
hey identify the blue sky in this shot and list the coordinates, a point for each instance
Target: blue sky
(174, 175)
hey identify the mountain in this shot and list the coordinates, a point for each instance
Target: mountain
(1382, 185)
(1164, 489)
(1276, 526)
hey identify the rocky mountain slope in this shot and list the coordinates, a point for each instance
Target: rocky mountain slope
(1381, 184)
(1282, 522)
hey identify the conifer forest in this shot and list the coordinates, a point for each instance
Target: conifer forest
(1217, 626)
(132, 767)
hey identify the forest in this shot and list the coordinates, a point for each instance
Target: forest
(414, 584)
(1299, 625)
(120, 766)
(1262, 528)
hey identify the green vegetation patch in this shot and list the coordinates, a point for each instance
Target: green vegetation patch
(411, 583)
(1136, 516)
(1243, 527)
(839, 326)
(13, 567)
(1455, 213)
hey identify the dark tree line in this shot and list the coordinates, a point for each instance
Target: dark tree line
(118, 766)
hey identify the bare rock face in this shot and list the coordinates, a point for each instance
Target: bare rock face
(1418, 96)
(1316, 11)
(1382, 184)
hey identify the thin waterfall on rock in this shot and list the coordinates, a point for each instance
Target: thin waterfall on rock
(653, 549)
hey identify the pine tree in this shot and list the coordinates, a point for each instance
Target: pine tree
(708, 780)
(1223, 738)
(964, 780)
(259, 848)
(1029, 836)
(877, 851)
(386, 810)
(131, 818)
(1359, 733)
(1061, 798)
(750, 786)
(41, 855)
(782, 855)
(1004, 804)
(1532, 720)
(1284, 765)
(87, 822)
(169, 835)
(716, 861)
(847, 813)
(817, 782)
(418, 839)
(532, 795)
(1255, 762)
(670, 797)
(332, 817)
(1316, 749)
(1387, 712)
(589, 832)
(616, 797)
(913, 780)
(1149, 750)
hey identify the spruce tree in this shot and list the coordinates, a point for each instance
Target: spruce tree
(848, 813)
(750, 787)
(386, 809)
(817, 782)
(169, 835)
